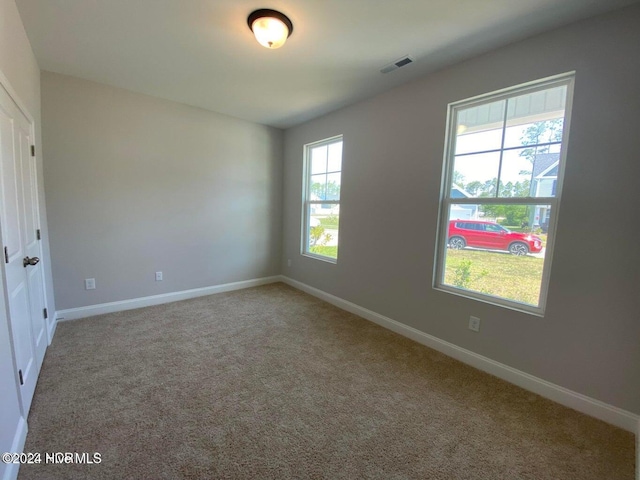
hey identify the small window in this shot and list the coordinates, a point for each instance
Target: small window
(321, 209)
(503, 170)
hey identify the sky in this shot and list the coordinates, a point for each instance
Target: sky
(484, 166)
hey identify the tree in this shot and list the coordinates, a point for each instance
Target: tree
(488, 188)
(513, 215)
(518, 189)
(474, 188)
(330, 189)
(534, 134)
(541, 132)
(458, 179)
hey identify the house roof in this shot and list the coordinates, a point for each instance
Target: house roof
(459, 192)
(543, 162)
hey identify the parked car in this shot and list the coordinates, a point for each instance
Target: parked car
(490, 235)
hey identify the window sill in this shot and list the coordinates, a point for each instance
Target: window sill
(495, 301)
(322, 258)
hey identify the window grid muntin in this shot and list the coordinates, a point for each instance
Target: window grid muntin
(506, 149)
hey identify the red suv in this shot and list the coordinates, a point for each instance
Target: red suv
(490, 235)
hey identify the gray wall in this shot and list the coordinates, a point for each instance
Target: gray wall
(136, 185)
(588, 340)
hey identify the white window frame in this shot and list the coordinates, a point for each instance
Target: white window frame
(446, 201)
(307, 202)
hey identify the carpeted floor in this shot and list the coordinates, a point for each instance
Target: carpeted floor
(271, 383)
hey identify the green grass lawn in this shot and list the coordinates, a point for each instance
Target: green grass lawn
(328, 251)
(330, 221)
(496, 273)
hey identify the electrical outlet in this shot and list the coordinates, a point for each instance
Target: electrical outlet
(89, 283)
(474, 324)
(158, 276)
(288, 262)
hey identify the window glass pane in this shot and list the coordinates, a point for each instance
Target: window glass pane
(535, 133)
(515, 174)
(319, 159)
(335, 157)
(479, 128)
(497, 250)
(475, 175)
(535, 118)
(323, 231)
(525, 172)
(333, 186)
(318, 187)
(540, 103)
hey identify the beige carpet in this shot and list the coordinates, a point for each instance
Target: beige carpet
(271, 383)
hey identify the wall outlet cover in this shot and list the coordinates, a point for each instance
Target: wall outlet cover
(474, 324)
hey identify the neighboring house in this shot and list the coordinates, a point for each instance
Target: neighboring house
(462, 212)
(543, 184)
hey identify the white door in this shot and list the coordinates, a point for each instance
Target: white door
(35, 275)
(21, 248)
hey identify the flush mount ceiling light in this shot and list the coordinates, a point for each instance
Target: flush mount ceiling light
(271, 28)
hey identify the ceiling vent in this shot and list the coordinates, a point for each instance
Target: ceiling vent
(401, 62)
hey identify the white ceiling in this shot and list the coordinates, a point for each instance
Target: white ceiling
(202, 53)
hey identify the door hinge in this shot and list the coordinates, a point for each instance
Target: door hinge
(33, 150)
(38, 234)
(6, 255)
(21, 379)
(46, 315)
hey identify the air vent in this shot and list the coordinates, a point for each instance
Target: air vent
(401, 62)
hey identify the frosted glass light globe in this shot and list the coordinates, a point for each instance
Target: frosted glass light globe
(270, 32)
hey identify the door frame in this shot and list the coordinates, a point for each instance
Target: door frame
(51, 321)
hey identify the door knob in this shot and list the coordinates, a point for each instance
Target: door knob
(26, 261)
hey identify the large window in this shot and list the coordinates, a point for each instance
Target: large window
(503, 170)
(321, 212)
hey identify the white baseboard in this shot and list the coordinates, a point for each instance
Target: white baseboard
(17, 446)
(595, 408)
(51, 330)
(111, 307)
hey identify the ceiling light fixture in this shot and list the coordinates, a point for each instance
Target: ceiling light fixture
(271, 28)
